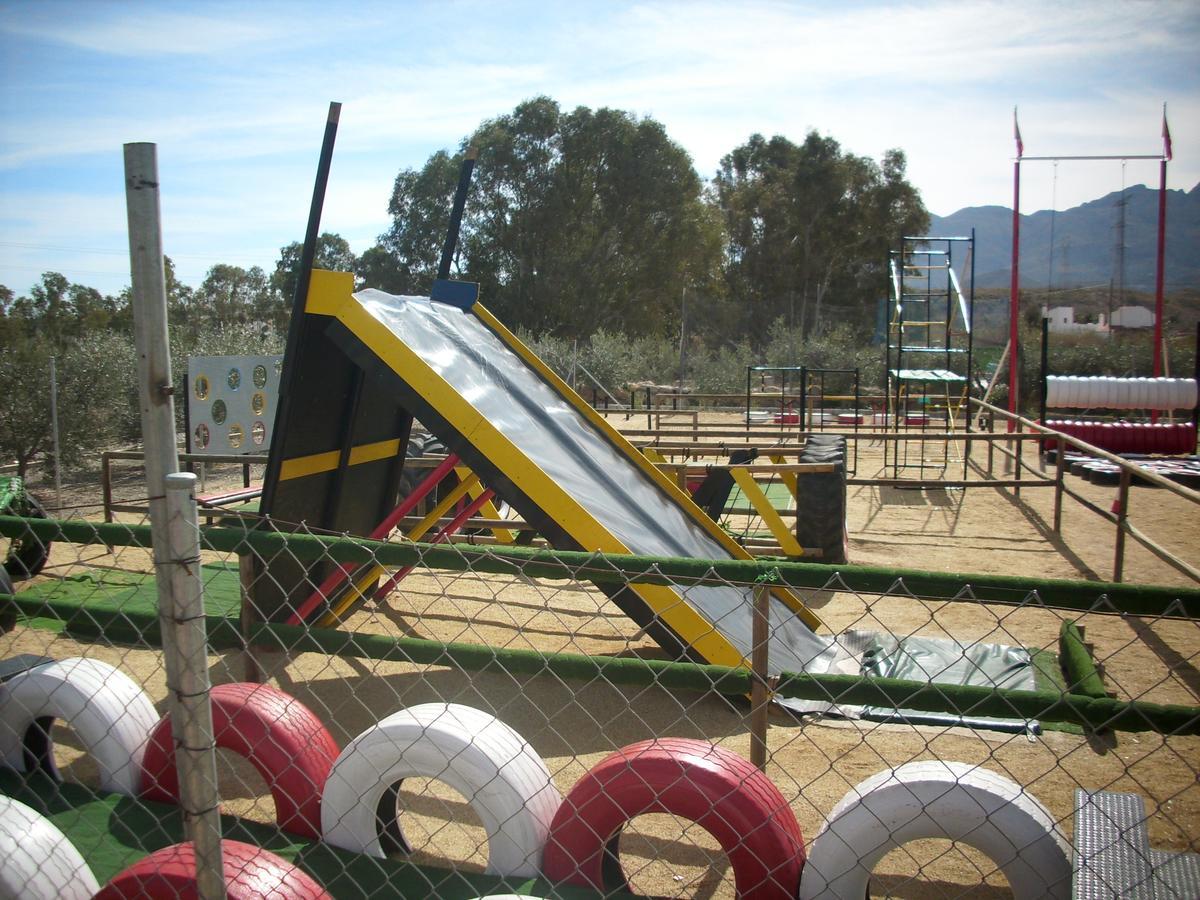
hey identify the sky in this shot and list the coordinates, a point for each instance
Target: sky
(235, 96)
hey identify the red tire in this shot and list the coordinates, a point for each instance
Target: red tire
(715, 788)
(280, 737)
(251, 873)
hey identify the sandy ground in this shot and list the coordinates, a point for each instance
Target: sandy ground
(814, 762)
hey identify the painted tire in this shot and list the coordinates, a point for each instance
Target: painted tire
(938, 800)
(717, 789)
(37, 862)
(251, 873)
(493, 767)
(27, 554)
(110, 714)
(279, 736)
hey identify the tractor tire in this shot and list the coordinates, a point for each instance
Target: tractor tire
(935, 799)
(486, 761)
(111, 715)
(715, 788)
(821, 500)
(28, 554)
(279, 736)
(251, 873)
(37, 862)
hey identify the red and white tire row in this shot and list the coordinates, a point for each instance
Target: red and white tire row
(531, 829)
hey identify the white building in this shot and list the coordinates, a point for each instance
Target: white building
(1132, 317)
(1062, 321)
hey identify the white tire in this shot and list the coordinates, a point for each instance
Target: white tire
(935, 799)
(493, 767)
(110, 714)
(37, 861)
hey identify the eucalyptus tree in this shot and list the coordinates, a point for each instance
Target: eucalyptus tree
(576, 221)
(810, 224)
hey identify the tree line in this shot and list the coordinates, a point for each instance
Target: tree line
(583, 228)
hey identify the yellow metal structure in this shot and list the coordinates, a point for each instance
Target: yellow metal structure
(330, 294)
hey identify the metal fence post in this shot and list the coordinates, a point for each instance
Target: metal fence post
(173, 526)
(1122, 512)
(178, 566)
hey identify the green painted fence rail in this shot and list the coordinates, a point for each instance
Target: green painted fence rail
(1085, 596)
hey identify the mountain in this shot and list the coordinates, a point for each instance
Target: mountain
(1086, 240)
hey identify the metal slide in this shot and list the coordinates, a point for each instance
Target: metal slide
(557, 462)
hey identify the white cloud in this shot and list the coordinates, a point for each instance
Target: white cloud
(236, 99)
(147, 30)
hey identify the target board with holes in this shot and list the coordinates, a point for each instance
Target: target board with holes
(231, 403)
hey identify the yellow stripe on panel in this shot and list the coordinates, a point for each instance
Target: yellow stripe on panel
(315, 464)
(766, 511)
(525, 475)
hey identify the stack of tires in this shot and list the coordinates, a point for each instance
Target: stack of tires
(349, 799)
(821, 498)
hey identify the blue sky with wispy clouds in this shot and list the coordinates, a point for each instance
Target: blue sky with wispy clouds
(235, 94)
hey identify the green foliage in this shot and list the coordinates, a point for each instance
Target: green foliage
(405, 260)
(92, 377)
(231, 294)
(560, 354)
(333, 253)
(578, 221)
(722, 370)
(840, 346)
(809, 222)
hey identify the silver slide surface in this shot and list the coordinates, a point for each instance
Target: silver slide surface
(553, 435)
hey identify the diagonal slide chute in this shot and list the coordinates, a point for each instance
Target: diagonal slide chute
(546, 452)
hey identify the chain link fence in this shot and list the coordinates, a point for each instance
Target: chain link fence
(495, 723)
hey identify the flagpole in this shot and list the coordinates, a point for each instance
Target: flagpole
(1162, 247)
(1014, 291)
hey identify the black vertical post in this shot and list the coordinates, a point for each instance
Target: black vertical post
(187, 420)
(970, 336)
(1045, 365)
(803, 397)
(749, 369)
(1196, 375)
(296, 326)
(456, 213)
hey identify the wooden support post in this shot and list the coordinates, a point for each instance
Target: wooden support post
(1020, 446)
(106, 484)
(1122, 515)
(250, 618)
(1059, 467)
(760, 697)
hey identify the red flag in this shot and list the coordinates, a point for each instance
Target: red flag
(1166, 136)
(1017, 134)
